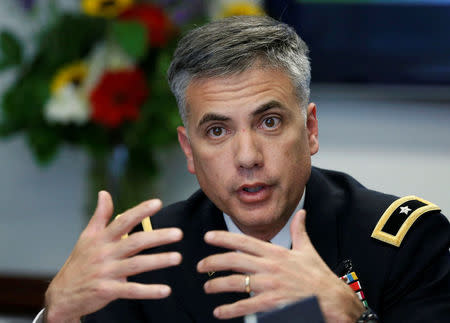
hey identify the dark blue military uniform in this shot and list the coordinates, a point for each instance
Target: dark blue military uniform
(404, 269)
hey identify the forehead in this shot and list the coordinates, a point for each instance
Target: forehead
(246, 90)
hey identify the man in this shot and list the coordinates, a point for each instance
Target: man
(242, 86)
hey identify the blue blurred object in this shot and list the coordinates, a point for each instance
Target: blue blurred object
(376, 42)
(27, 4)
(304, 311)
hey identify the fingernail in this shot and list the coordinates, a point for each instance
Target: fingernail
(164, 290)
(216, 312)
(205, 286)
(175, 234)
(174, 258)
(154, 204)
(209, 235)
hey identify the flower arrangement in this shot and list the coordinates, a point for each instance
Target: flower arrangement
(97, 80)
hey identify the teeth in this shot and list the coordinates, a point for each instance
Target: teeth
(253, 189)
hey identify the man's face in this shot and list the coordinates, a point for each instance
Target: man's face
(250, 145)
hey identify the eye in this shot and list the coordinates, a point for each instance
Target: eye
(271, 123)
(216, 132)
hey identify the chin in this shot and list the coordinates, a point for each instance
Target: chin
(256, 218)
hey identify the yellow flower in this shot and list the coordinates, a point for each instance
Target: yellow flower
(74, 73)
(105, 8)
(242, 8)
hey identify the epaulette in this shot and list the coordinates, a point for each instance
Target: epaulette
(399, 217)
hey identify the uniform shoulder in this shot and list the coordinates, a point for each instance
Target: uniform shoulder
(384, 217)
(388, 218)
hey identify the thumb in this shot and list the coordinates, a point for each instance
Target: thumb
(299, 235)
(103, 212)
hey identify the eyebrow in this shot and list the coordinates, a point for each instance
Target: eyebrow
(267, 106)
(212, 117)
(219, 117)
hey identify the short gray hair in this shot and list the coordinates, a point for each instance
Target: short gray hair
(231, 46)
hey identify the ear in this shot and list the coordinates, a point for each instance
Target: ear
(313, 128)
(186, 147)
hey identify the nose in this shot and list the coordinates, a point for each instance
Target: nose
(248, 154)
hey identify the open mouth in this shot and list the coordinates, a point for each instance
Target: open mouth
(253, 189)
(254, 193)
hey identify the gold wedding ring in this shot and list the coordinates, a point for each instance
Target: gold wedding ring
(247, 284)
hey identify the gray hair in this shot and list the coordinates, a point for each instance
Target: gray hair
(231, 46)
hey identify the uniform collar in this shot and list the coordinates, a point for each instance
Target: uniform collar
(282, 238)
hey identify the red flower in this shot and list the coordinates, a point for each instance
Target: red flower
(159, 27)
(118, 97)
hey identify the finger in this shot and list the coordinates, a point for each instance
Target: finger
(235, 261)
(142, 291)
(142, 263)
(231, 283)
(236, 283)
(242, 243)
(102, 213)
(144, 240)
(132, 217)
(260, 303)
(299, 235)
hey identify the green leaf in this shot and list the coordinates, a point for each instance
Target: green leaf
(44, 142)
(4, 65)
(131, 36)
(7, 129)
(22, 104)
(69, 39)
(10, 49)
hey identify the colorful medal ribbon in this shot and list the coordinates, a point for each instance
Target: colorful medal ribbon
(353, 281)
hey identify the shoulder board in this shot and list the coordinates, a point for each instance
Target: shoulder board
(399, 217)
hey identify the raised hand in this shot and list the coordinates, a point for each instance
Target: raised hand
(278, 276)
(96, 271)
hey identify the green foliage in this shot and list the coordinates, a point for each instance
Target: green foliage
(10, 49)
(44, 142)
(69, 39)
(131, 36)
(22, 104)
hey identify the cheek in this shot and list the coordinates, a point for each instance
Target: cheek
(292, 157)
(293, 147)
(210, 166)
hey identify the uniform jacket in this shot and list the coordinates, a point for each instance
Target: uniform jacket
(409, 283)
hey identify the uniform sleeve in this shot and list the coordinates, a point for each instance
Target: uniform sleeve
(418, 287)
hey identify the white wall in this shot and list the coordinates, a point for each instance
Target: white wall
(393, 139)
